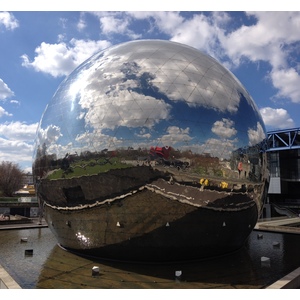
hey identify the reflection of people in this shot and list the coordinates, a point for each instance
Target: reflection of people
(240, 168)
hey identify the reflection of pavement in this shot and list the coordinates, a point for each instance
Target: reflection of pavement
(36, 223)
(221, 200)
(288, 225)
(66, 270)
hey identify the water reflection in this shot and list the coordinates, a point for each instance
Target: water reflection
(52, 267)
(25, 269)
(282, 249)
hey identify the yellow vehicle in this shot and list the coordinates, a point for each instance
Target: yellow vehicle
(224, 185)
(27, 189)
(204, 181)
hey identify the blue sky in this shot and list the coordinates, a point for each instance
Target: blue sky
(38, 49)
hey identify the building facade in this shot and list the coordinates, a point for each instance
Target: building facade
(284, 165)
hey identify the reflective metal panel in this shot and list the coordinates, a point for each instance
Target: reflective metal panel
(148, 119)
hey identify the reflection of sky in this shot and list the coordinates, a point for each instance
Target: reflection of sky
(165, 94)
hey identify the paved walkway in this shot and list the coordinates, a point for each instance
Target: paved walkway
(36, 223)
(290, 281)
(6, 281)
(287, 225)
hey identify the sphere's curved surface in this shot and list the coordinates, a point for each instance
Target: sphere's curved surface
(151, 150)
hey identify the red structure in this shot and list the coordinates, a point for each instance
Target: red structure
(163, 152)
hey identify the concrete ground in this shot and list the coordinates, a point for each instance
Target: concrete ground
(36, 223)
(285, 225)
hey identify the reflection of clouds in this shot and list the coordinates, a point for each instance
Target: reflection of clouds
(118, 91)
(49, 135)
(143, 134)
(128, 109)
(175, 135)
(61, 150)
(256, 135)
(111, 101)
(213, 147)
(97, 141)
(199, 81)
(206, 92)
(219, 148)
(129, 95)
(224, 128)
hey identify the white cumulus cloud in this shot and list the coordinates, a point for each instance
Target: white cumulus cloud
(16, 142)
(3, 112)
(61, 59)
(276, 118)
(224, 128)
(18, 131)
(287, 81)
(8, 20)
(256, 135)
(5, 91)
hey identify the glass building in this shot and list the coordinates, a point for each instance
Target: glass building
(284, 161)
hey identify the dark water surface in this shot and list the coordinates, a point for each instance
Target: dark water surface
(50, 266)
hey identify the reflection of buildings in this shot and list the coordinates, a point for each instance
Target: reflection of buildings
(284, 163)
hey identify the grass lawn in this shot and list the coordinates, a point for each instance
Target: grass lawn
(88, 167)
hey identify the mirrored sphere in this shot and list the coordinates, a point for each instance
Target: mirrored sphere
(153, 151)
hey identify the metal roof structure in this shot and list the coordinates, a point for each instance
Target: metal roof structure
(286, 139)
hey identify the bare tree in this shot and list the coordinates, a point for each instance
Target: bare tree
(10, 178)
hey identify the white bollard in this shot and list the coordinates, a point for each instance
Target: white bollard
(95, 271)
(178, 275)
(265, 261)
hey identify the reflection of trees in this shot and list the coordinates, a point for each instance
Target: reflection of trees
(250, 158)
(204, 164)
(41, 163)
